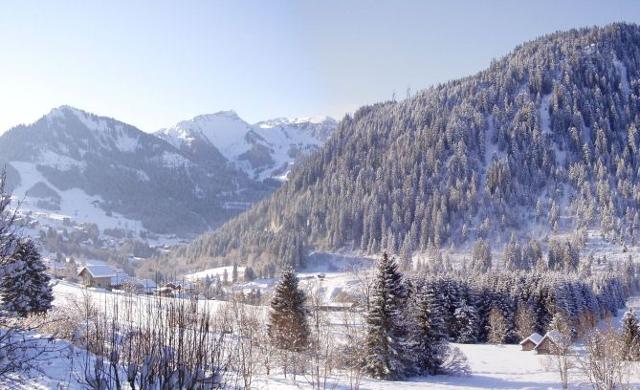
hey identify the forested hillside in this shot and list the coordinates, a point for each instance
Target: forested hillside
(547, 132)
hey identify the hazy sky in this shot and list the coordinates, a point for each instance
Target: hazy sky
(153, 63)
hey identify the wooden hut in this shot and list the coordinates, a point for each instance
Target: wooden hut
(531, 342)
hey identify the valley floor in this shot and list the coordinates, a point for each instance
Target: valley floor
(492, 366)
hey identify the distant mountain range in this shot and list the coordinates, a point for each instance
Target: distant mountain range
(182, 180)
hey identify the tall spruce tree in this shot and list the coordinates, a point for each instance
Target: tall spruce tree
(386, 344)
(234, 273)
(288, 328)
(13, 285)
(466, 323)
(26, 290)
(428, 342)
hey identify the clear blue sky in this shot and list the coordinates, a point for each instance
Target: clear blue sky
(153, 63)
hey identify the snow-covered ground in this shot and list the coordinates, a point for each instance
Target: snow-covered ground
(214, 272)
(75, 204)
(492, 366)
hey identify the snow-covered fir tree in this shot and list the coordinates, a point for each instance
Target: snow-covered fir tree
(234, 273)
(513, 255)
(26, 289)
(386, 346)
(466, 323)
(13, 284)
(481, 256)
(428, 341)
(288, 328)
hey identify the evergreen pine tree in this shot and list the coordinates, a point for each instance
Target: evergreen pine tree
(386, 349)
(249, 274)
(26, 290)
(14, 283)
(41, 294)
(481, 256)
(427, 338)
(234, 273)
(466, 322)
(288, 328)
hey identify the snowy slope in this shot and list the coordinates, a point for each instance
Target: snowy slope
(263, 150)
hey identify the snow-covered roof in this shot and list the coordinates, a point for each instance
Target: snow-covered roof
(552, 335)
(535, 337)
(99, 271)
(120, 278)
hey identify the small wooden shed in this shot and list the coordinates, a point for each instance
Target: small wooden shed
(549, 343)
(531, 342)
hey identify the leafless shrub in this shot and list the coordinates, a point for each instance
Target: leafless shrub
(160, 343)
(322, 349)
(603, 362)
(351, 353)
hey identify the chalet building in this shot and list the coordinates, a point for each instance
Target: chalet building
(531, 342)
(96, 276)
(549, 343)
(177, 288)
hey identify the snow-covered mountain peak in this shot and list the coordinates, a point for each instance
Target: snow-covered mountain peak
(229, 114)
(315, 120)
(58, 116)
(265, 149)
(225, 130)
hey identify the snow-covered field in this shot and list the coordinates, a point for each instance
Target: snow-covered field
(213, 273)
(492, 366)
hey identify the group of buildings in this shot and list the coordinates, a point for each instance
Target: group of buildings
(104, 276)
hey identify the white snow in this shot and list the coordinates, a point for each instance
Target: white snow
(75, 204)
(234, 137)
(224, 129)
(59, 162)
(545, 120)
(622, 69)
(535, 337)
(492, 366)
(126, 143)
(174, 160)
(214, 272)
